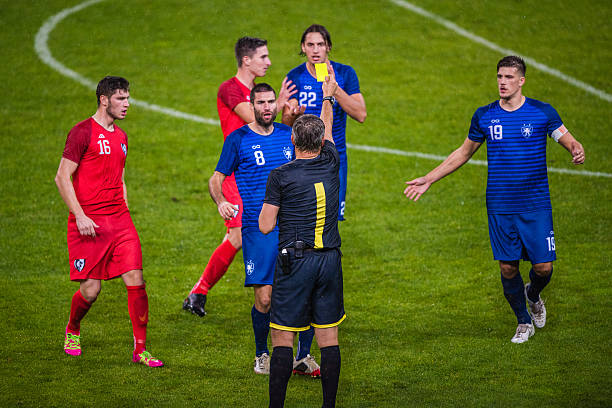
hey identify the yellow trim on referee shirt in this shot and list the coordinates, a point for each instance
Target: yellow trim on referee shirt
(327, 326)
(286, 328)
(318, 238)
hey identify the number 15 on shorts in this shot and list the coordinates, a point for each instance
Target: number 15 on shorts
(551, 243)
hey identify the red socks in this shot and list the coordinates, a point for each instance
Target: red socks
(78, 309)
(138, 306)
(219, 261)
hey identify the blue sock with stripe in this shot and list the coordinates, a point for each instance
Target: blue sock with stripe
(261, 328)
(304, 343)
(514, 291)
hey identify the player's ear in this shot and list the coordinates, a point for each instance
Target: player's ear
(522, 81)
(103, 100)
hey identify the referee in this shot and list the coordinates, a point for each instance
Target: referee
(307, 290)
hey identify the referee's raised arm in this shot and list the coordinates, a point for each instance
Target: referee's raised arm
(327, 112)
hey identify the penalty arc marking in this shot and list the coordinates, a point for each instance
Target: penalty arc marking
(42, 50)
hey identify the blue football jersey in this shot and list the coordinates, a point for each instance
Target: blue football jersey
(252, 157)
(310, 94)
(516, 154)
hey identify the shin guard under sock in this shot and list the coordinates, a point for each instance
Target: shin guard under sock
(281, 365)
(514, 291)
(261, 328)
(138, 306)
(217, 265)
(330, 374)
(78, 309)
(537, 284)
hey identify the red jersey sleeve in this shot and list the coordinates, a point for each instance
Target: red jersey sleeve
(230, 94)
(77, 142)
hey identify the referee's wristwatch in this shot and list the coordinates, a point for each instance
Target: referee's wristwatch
(331, 99)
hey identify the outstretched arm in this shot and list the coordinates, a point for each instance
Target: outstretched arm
(574, 147)
(417, 187)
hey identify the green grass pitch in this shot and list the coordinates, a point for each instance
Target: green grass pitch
(427, 322)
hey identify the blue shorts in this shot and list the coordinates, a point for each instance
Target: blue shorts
(308, 292)
(343, 173)
(529, 236)
(259, 252)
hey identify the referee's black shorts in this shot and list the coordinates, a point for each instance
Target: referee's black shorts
(310, 294)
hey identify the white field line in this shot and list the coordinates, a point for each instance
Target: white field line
(544, 68)
(385, 150)
(42, 49)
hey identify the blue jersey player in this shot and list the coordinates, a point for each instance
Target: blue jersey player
(315, 45)
(251, 153)
(518, 201)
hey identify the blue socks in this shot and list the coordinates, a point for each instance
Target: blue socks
(514, 291)
(537, 284)
(261, 328)
(304, 343)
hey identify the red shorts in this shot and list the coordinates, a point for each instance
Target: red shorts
(230, 192)
(114, 250)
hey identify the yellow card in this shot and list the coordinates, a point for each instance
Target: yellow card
(321, 70)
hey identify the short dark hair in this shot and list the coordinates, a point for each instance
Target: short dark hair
(263, 87)
(316, 28)
(109, 84)
(246, 47)
(513, 61)
(308, 133)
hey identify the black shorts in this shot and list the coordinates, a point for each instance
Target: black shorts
(310, 294)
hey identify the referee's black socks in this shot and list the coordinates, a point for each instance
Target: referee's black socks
(330, 374)
(281, 365)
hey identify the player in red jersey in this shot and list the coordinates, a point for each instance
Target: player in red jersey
(235, 111)
(102, 241)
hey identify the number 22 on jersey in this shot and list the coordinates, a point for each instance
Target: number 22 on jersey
(308, 99)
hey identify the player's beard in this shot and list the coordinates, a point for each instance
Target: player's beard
(110, 113)
(265, 123)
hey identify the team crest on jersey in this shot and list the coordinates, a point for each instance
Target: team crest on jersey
(250, 267)
(526, 130)
(101, 136)
(124, 148)
(79, 264)
(288, 152)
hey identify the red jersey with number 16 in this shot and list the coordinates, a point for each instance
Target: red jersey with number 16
(101, 155)
(231, 93)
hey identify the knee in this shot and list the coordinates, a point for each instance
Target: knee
(90, 294)
(543, 269)
(263, 303)
(508, 271)
(235, 238)
(133, 278)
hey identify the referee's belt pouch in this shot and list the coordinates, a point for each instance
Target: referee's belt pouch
(285, 261)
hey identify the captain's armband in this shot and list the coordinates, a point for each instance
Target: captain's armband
(560, 131)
